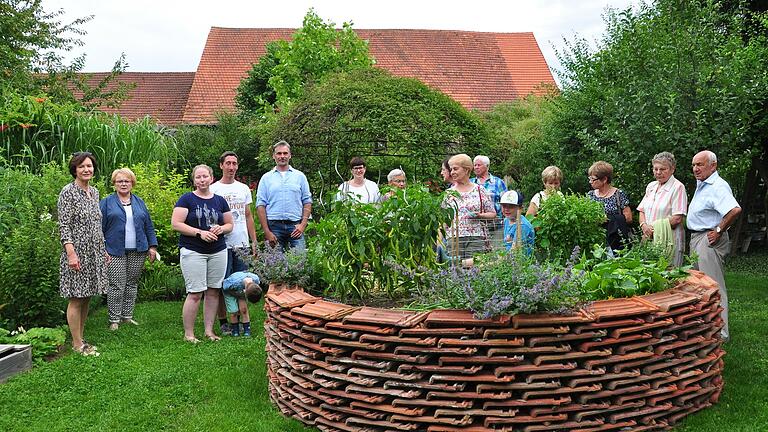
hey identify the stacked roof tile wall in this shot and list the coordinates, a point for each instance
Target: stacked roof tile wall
(635, 364)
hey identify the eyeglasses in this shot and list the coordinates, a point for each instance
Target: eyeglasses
(122, 181)
(592, 178)
(361, 167)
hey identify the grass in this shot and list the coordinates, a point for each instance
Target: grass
(148, 379)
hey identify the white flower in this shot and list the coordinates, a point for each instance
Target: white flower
(45, 217)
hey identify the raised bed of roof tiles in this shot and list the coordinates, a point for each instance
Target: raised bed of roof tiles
(634, 364)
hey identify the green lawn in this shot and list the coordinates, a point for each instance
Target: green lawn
(148, 379)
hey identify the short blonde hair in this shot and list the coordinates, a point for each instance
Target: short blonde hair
(126, 172)
(461, 160)
(551, 173)
(601, 169)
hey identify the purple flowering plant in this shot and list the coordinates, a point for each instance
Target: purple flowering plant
(499, 283)
(274, 265)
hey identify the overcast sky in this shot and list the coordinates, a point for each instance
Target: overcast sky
(169, 35)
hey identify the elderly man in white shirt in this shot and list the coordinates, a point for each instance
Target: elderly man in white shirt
(711, 212)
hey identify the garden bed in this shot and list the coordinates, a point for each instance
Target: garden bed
(638, 364)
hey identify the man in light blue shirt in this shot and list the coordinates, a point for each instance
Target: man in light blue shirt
(711, 212)
(283, 201)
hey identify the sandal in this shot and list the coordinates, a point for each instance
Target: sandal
(86, 350)
(193, 340)
(130, 321)
(213, 338)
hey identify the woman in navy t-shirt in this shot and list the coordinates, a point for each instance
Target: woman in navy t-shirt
(202, 219)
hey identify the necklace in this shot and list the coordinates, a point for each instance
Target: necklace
(124, 202)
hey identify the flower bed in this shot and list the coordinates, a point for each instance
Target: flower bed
(638, 364)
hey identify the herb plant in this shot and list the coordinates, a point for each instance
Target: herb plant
(640, 270)
(564, 222)
(354, 241)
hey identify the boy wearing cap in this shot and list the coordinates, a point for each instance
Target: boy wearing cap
(515, 224)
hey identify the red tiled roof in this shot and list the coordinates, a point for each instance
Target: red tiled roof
(479, 70)
(160, 95)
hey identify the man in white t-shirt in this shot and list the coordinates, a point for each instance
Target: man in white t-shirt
(243, 235)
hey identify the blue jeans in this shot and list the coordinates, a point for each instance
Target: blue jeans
(282, 231)
(234, 264)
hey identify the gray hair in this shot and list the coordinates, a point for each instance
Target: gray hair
(281, 143)
(482, 159)
(664, 157)
(394, 173)
(711, 156)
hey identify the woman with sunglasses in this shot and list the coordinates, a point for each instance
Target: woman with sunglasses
(615, 202)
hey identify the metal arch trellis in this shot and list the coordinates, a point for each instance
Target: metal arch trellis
(421, 163)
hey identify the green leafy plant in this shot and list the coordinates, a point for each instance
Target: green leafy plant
(640, 270)
(161, 281)
(564, 222)
(45, 341)
(30, 247)
(355, 241)
(160, 190)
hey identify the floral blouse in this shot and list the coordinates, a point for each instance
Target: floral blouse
(467, 204)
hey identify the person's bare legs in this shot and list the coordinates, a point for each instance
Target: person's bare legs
(77, 312)
(210, 309)
(189, 313)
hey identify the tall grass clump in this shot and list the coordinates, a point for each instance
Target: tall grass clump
(35, 131)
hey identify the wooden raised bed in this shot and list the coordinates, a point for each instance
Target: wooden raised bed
(635, 364)
(14, 359)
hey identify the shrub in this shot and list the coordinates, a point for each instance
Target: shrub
(502, 283)
(29, 272)
(564, 222)
(30, 247)
(161, 281)
(35, 131)
(160, 190)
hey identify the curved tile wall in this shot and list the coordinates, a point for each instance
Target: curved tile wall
(634, 364)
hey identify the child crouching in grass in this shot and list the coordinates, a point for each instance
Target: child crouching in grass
(238, 287)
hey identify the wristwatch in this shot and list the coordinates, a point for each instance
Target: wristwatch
(718, 229)
(197, 234)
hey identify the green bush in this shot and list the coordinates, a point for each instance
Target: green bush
(161, 281)
(160, 190)
(565, 222)
(30, 247)
(204, 145)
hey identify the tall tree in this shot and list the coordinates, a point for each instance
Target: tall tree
(674, 75)
(315, 50)
(32, 43)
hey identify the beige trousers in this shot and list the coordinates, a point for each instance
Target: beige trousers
(711, 260)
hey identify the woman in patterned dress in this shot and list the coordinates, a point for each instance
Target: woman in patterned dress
(83, 263)
(665, 198)
(615, 202)
(473, 205)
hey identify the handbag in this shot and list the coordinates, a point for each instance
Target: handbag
(616, 228)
